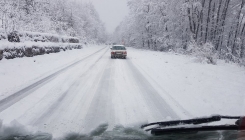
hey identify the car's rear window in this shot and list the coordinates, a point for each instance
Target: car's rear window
(119, 48)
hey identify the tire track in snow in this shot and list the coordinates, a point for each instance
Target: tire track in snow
(17, 96)
(59, 101)
(101, 109)
(156, 103)
(184, 111)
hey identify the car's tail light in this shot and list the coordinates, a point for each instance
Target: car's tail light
(112, 52)
(124, 52)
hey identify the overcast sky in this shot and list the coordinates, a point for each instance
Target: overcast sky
(111, 12)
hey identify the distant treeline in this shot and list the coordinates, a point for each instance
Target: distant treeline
(178, 24)
(65, 17)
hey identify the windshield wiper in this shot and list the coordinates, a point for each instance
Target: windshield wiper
(193, 125)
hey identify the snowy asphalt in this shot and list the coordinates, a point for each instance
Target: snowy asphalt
(91, 91)
(77, 91)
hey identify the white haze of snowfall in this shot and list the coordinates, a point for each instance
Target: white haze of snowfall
(188, 75)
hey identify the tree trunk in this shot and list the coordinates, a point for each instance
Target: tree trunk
(217, 23)
(203, 4)
(193, 21)
(242, 49)
(143, 41)
(213, 23)
(208, 21)
(237, 27)
(229, 37)
(223, 18)
(190, 21)
(243, 41)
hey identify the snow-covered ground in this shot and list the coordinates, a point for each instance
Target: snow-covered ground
(19, 73)
(10, 45)
(76, 91)
(201, 89)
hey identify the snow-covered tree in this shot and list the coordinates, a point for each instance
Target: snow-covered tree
(172, 24)
(72, 18)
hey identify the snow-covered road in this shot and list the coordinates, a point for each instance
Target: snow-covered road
(78, 93)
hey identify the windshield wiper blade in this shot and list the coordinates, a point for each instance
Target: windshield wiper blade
(159, 131)
(190, 121)
(162, 127)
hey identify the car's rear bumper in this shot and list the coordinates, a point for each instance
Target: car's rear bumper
(118, 55)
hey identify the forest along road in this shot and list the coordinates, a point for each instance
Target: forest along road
(94, 90)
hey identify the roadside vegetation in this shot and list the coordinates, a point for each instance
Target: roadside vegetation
(37, 27)
(209, 28)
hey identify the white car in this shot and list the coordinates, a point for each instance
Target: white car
(118, 51)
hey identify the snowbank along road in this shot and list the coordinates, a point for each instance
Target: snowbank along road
(86, 88)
